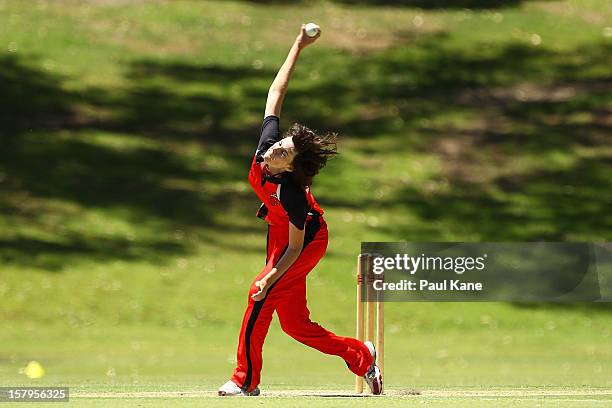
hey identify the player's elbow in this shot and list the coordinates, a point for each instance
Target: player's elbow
(277, 90)
(274, 102)
(293, 250)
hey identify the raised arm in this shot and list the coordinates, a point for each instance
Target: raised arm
(279, 86)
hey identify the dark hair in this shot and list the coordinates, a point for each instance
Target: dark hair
(312, 151)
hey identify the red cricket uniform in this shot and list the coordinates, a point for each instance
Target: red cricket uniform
(284, 202)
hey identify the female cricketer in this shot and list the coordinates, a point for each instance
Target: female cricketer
(281, 174)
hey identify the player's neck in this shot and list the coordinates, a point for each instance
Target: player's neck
(274, 171)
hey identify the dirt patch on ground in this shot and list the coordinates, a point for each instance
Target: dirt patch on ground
(565, 9)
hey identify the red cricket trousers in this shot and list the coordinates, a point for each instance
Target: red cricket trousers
(287, 296)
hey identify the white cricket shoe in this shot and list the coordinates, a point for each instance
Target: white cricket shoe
(230, 389)
(373, 377)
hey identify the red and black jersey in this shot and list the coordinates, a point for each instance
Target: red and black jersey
(282, 199)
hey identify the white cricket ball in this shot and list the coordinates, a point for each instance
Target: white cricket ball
(311, 29)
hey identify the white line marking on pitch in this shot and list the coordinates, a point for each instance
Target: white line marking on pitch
(480, 394)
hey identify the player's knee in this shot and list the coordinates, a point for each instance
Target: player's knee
(288, 326)
(294, 326)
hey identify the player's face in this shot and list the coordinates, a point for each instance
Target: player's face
(280, 155)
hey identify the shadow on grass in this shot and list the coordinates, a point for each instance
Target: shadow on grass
(529, 106)
(51, 152)
(545, 206)
(53, 256)
(30, 98)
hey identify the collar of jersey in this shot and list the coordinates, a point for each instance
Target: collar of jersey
(275, 179)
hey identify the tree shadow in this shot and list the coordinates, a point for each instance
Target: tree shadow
(537, 206)
(528, 103)
(447, 80)
(51, 152)
(30, 98)
(53, 256)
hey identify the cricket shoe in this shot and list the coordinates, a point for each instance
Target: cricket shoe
(230, 389)
(373, 377)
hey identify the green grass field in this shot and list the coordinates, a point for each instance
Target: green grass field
(127, 228)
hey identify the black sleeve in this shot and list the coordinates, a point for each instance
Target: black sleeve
(293, 199)
(270, 134)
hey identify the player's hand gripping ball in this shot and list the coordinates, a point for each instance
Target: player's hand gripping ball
(309, 33)
(312, 29)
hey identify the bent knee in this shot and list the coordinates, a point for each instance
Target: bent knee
(296, 326)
